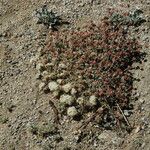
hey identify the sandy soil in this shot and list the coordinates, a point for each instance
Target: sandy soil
(21, 103)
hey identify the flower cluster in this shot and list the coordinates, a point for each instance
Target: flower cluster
(99, 60)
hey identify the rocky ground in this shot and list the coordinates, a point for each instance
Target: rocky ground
(25, 110)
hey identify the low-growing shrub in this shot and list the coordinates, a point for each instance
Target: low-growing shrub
(99, 59)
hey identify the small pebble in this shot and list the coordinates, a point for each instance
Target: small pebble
(142, 101)
(137, 129)
(67, 87)
(73, 91)
(93, 100)
(41, 86)
(48, 65)
(126, 113)
(39, 66)
(44, 73)
(62, 66)
(59, 81)
(38, 76)
(80, 100)
(32, 60)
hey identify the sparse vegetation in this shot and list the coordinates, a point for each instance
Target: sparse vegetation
(98, 62)
(3, 120)
(134, 18)
(43, 130)
(48, 18)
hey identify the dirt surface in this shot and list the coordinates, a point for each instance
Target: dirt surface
(21, 103)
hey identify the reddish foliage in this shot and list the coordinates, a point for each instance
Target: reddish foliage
(102, 55)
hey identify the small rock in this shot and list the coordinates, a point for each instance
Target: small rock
(127, 113)
(95, 144)
(39, 50)
(44, 73)
(48, 65)
(59, 81)
(38, 76)
(66, 99)
(40, 66)
(80, 77)
(73, 91)
(93, 100)
(33, 59)
(137, 129)
(62, 66)
(142, 101)
(67, 87)
(143, 145)
(37, 56)
(62, 75)
(53, 86)
(72, 111)
(41, 86)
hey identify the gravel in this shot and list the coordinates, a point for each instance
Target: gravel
(67, 87)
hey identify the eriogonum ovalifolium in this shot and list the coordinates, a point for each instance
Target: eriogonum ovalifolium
(99, 59)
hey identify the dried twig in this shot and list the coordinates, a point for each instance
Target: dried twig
(99, 111)
(125, 118)
(56, 113)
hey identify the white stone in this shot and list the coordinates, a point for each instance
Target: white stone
(73, 91)
(142, 101)
(32, 60)
(39, 66)
(41, 86)
(39, 50)
(35, 58)
(49, 65)
(44, 73)
(93, 100)
(63, 74)
(72, 111)
(53, 86)
(67, 87)
(38, 75)
(62, 66)
(80, 77)
(66, 99)
(127, 113)
(38, 55)
(138, 128)
(59, 81)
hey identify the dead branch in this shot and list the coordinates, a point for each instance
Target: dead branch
(125, 118)
(56, 113)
